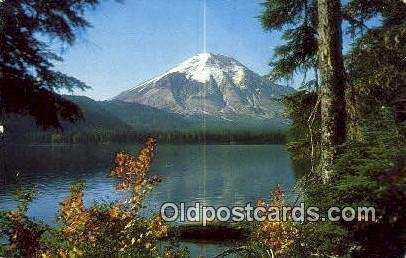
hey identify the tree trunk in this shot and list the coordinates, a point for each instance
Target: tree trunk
(333, 115)
(353, 128)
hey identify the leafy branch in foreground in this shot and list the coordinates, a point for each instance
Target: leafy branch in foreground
(277, 235)
(114, 229)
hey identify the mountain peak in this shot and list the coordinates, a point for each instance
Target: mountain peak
(210, 59)
(212, 84)
(204, 66)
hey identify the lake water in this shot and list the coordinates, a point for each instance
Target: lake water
(218, 175)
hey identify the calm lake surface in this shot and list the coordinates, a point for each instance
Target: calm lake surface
(218, 175)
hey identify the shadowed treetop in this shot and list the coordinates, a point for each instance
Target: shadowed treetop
(28, 83)
(297, 19)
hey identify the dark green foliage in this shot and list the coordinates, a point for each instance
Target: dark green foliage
(298, 53)
(370, 173)
(380, 78)
(359, 12)
(298, 19)
(277, 13)
(175, 248)
(299, 106)
(371, 165)
(28, 84)
(375, 64)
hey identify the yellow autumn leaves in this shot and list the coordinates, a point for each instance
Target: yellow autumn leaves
(132, 172)
(121, 219)
(276, 235)
(116, 228)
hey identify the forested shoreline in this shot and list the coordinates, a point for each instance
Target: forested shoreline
(175, 137)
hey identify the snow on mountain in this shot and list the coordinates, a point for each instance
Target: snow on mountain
(211, 85)
(205, 65)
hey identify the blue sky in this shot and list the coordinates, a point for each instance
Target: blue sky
(139, 39)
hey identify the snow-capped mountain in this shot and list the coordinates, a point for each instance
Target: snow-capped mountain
(211, 86)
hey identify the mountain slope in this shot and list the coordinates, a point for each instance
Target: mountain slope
(101, 116)
(216, 88)
(110, 115)
(145, 118)
(95, 116)
(210, 93)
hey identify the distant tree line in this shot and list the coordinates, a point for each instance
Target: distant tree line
(132, 136)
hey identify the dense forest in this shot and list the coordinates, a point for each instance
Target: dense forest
(350, 117)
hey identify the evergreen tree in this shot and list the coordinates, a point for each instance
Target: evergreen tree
(376, 64)
(28, 82)
(371, 161)
(312, 31)
(371, 175)
(331, 65)
(299, 21)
